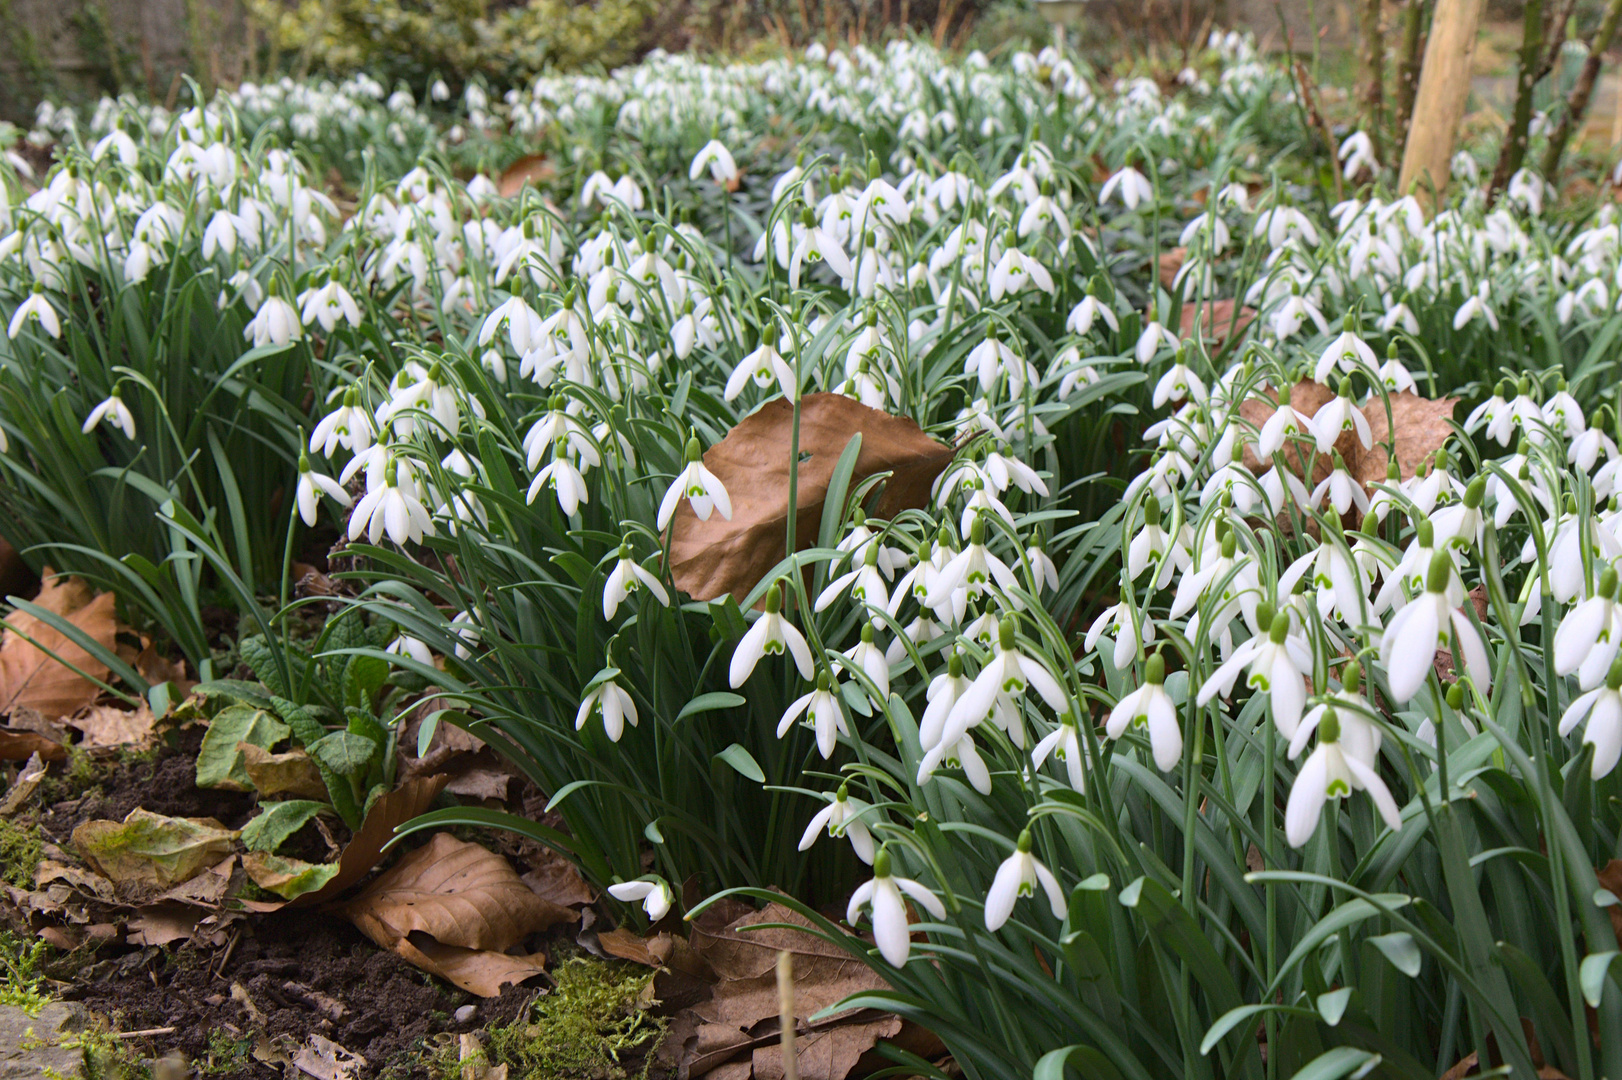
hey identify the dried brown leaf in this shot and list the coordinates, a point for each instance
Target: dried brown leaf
(454, 908)
(826, 1053)
(22, 745)
(555, 878)
(459, 892)
(289, 775)
(1171, 261)
(160, 924)
(717, 557)
(29, 675)
(1218, 321)
(22, 789)
(107, 725)
(625, 945)
(1421, 426)
(324, 1059)
(529, 169)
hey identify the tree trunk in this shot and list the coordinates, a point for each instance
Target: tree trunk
(1413, 37)
(1513, 151)
(1583, 91)
(1373, 72)
(1444, 85)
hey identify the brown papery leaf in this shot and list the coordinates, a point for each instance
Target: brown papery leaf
(30, 677)
(365, 848)
(1307, 397)
(289, 775)
(22, 745)
(107, 725)
(717, 557)
(456, 896)
(1171, 261)
(1421, 426)
(529, 169)
(1218, 321)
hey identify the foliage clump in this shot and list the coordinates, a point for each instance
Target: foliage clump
(22, 980)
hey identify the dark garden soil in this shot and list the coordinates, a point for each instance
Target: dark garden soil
(293, 973)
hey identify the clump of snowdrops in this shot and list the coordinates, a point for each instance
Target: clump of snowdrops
(1252, 754)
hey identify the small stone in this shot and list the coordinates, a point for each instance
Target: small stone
(465, 1013)
(31, 1045)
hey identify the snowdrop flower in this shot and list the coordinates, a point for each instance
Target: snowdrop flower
(627, 577)
(613, 704)
(991, 358)
(1348, 352)
(1331, 772)
(1009, 672)
(1131, 185)
(1179, 384)
(276, 323)
(1150, 342)
(1590, 636)
(1340, 414)
(1562, 413)
(868, 658)
(1343, 490)
(327, 305)
(1082, 316)
(565, 480)
(115, 412)
(1357, 153)
(1150, 706)
(970, 571)
(414, 648)
(699, 486)
(1281, 224)
(842, 818)
(655, 895)
(1286, 421)
(1603, 708)
(817, 244)
(1151, 545)
(393, 507)
(1125, 620)
(39, 308)
(1495, 414)
(1279, 665)
(348, 426)
(1198, 227)
(821, 707)
(311, 485)
(718, 160)
(1018, 876)
(771, 635)
(1476, 307)
(1293, 314)
(519, 319)
(1064, 744)
(763, 366)
(1015, 272)
(889, 910)
(1426, 624)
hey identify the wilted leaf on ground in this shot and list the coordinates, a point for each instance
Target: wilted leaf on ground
(1171, 262)
(1421, 426)
(1218, 321)
(291, 773)
(453, 908)
(22, 745)
(219, 761)
(30, 676)
(108, 725)
(22, 789)
(152, 850)
(288, 878)
(324, 1059)
(713, 558)
(529, 169)
(555, 878)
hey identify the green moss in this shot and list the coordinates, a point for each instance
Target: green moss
(20, 852)
(225, 1056)
(22, 982)
(593, 1025)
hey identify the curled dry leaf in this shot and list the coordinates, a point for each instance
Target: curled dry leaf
(22, 789)
(30, 675)
(1217, 321)
(1171, 262)
(714, 558)
(454, 908)
(324, 1059)
(529, 169)
(289, 775)
(151, 850)
(108, 725)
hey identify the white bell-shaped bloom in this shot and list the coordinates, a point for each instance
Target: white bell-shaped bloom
(656, 897)
(842, 817)
(1427, 623)
(1331, 772)
(1151, 707)
(1019, 876)
(771, 635)
(608, 700)
(884, 894)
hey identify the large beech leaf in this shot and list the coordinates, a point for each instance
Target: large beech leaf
(714, 558)
(467, 900)
(30, 677)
